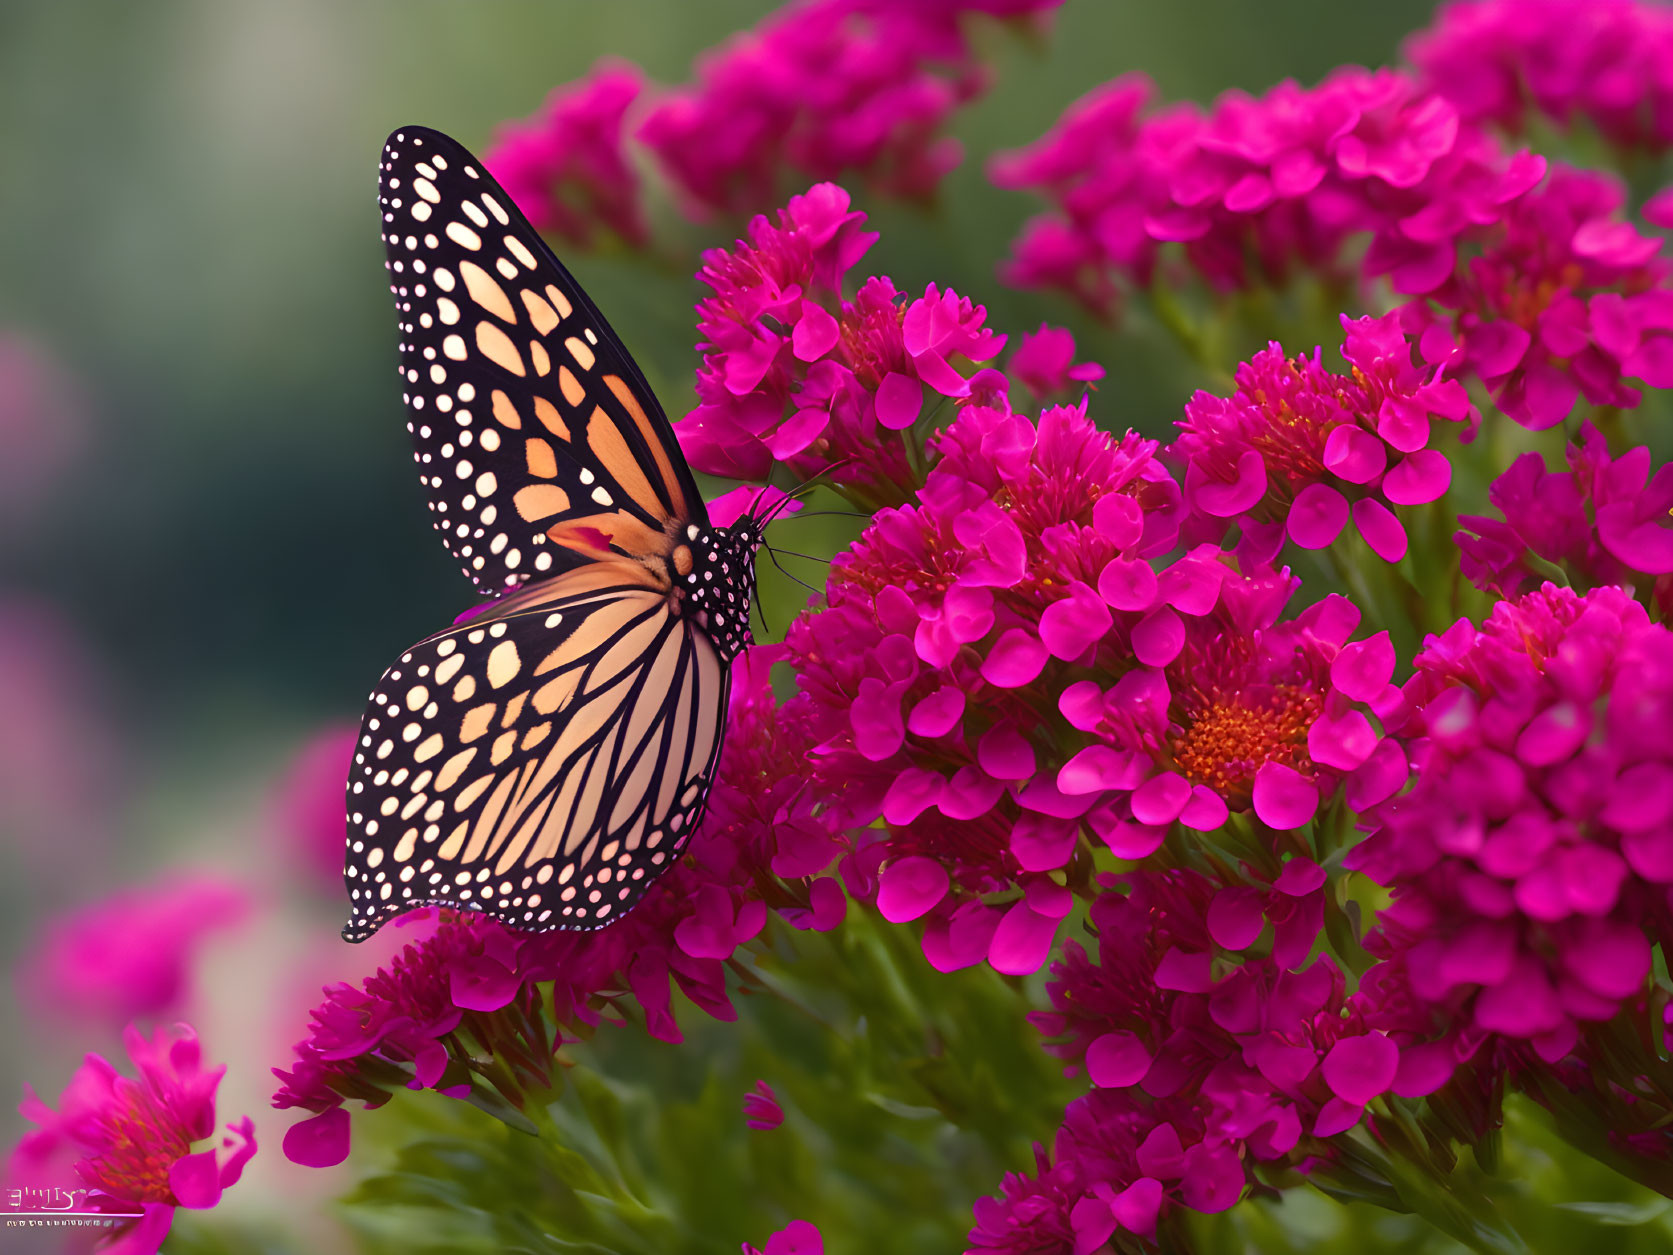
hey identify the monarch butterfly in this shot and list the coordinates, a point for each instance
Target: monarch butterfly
(546, 758)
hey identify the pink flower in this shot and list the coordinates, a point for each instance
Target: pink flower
(1603, 61)
(365, 1040)
(1563, 300)
(1257, 190)
(761, 1109)
(1532, 851)
(948, 626)
(1298, 451)
(131, 1140)
(567, 168)
(1045, 362)
(818, 90)
(1177, 1003)
(960, 629)
(1604, 521)
(796, 1238)
(1240, 711)
(1120, 1165)
(1208, 1048)
(312, 811)
(793, 373)
(1092, 167)
(129, 955)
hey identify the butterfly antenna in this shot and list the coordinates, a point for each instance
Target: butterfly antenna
(802, 489)
(792, 553)
(819, 592)
(824, 514)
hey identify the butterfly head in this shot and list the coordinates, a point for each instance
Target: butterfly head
(719, 587)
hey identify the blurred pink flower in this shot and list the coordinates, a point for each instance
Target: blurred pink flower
(399, 1016)
(131, 1140)
(1045, 362)
(822, 89)
(131, 954)
(1601, 61)
(43, 426)
(1088, 165)
(761, 1109)
(1212, 1040)
(818, 89)
(567, 167)
(796, 1238)
(1265, 1040)
(59, 753)
(312, 810)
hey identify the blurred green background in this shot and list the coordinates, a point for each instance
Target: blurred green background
(230, 545)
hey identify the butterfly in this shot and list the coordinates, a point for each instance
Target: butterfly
(547, 757)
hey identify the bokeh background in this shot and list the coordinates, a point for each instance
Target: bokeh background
(210, 539)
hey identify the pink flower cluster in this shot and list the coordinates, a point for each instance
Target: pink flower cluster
(792, 372)
(310, 810)
(1604, 62)
(1532, 859)
(1605, 520)
(1212, 1043)
(938, 680)
(762, 847)
(1044, 362)
(819, 89)
(1562, 297)
(1257, 190)
(799, 1237)
(761, 1110)
(131, 1139)
(1545, 295)
(1298, 450)
(566, 167)
(1072, 1202)
(130, 954)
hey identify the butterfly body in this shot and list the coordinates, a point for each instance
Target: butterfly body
(711, 572)
(544, 759)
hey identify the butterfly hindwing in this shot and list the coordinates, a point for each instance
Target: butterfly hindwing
(542, 765)
(538, 441)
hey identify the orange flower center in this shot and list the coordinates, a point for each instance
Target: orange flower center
(1291, 444)
(1232, 737)
(1530, 296)
(145, 1142)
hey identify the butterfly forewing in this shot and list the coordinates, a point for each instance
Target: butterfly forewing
(541, 765)
(537, 439)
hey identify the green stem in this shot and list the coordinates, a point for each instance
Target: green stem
(1171, 314)
(1471, 1220)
